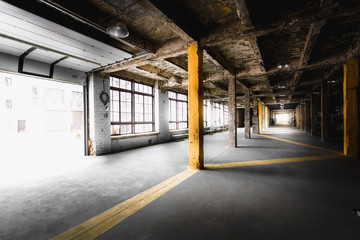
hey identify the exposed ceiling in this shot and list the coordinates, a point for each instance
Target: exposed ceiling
(249, 40)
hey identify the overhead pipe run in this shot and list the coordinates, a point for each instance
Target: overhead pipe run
(91, 24)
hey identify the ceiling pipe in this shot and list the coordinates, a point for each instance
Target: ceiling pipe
(87, 22)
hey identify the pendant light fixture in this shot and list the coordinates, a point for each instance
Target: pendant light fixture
(117, 29)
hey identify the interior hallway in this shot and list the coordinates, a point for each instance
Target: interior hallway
(302, 198)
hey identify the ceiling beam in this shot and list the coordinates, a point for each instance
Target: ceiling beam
(237, 32)
(173, 48)
(285, 93)
(325, 63)
(244, 16)
(147, 74)
(169, 23)
(160, 72)
(310, 42)
(211, 54)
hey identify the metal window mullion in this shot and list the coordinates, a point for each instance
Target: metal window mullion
(132, 108)
(143, 109)
(119, 111)
(177, 118)
(153, 110)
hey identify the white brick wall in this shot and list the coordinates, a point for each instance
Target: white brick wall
(99, 125)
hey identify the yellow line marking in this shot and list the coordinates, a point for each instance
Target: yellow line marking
(99, 224)
(302, 144)
(270, 161)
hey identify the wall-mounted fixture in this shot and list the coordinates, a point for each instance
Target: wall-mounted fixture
(105, 98)
(117, 29)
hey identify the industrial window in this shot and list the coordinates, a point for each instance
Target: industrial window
(8, 82)
(132, 107)
(178, 111)
(226, 115)
(205, 113)
(218, 112)
(9, 104)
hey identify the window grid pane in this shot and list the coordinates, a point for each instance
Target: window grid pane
(131, 110)
(178, 111)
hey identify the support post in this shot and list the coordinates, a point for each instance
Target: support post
(350, 85)
(232, 113)
(266, 117)
(196, 95)
(301, 117)
(247, 114)
(255, 117)
(307, 115)
(297, 117)
(313, 115)
(260, 117)
(325, 123)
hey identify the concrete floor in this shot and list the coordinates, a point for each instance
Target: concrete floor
(302, 200)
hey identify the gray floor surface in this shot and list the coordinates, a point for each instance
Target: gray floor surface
(303, 200)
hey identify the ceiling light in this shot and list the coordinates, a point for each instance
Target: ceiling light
(117, 29)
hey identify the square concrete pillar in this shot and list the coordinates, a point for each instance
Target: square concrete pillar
(232, 113)
(313, 111)
(325, 115)
(247, 114)
(255, 122)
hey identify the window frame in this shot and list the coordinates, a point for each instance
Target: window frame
(217, 109)
(205, 107)
(226, 115)
(132, 121)
(177, 101)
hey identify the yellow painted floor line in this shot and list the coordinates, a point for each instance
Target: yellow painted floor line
(270, 161)
(299, 143)
(99, 224)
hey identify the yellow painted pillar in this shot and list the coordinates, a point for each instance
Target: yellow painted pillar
(260, 117)
(196, 95)
(351, 82)
(266, 118)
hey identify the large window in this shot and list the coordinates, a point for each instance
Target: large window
(178, 111)
(226, 115)
(132, 107)
(218, 113)
(205, 114)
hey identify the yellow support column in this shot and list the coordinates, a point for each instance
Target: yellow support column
(260, 117)
(351, 82)
(196, 95)
(266, 118)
